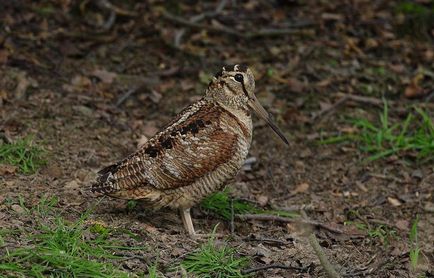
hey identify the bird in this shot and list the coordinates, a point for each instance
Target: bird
(194, 155)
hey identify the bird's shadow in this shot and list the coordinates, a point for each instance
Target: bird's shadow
(164, 218)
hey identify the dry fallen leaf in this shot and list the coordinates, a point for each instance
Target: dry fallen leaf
(262, 200)
(18, 209)
(72, 184)
(4, 54)
(295, 85)
(302, 187)
(80, 81)
(7, 169)
(413, 91)
(105, 76)
(3, 96)
(23, 83)
(393, 201)
(155, 96)
(402, 224)
(397, 68)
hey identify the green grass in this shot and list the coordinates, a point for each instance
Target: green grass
(153, 270)
(221, 204)
(381, 232)
(414, 245)
(414, 134)
(212, 261)
(59, 248)
(24, 154)
(418, 19)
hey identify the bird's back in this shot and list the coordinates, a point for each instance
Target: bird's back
(193, 156)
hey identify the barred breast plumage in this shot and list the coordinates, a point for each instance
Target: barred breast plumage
(196, 153)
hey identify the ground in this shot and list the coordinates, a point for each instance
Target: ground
(89, 81)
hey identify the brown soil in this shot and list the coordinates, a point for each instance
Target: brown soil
(62, 73)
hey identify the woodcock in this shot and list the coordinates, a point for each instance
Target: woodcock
(196, 154)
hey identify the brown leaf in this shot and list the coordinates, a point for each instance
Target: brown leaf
(105, 76)
(4, 54)
(330, 16)
(7, 169)
(413, 91)
(53, 171)
(402, 224)
(23, 83)
(80, 81)
(295, 85)
(74, 184)
(428, 55)
(324, 82)
(18, 209)
(155, 96)
(397, 68)
(371, 43)
(301, 188)
(3, 96)
(393, 201)
(262, 200)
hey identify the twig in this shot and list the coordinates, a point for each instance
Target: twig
(232, 217)
(105, 4)
(4, 137)
(271, 241)
(266, 217)
(428, 208)
(110, 21)
(385, 177)
(143, 83)
(295, 208)
(265, 267)
(197, 18)
(329, 269)
(331, 272)
(429, 97)
(223, 29)
(127, 94)
(330, 110)
(370, 100)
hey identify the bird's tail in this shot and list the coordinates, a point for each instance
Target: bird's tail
(104, 183)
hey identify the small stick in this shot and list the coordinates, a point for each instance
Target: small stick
(232, 217)
(266, 217)
(370, 100)
(197, 18)
(267, 240)
(384, 177)
(330, 271)
(265, 267)
(295, 208)
(105, 4)
(330, 110)
(236, 33)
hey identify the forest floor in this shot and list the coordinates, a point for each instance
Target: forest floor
(349, 82)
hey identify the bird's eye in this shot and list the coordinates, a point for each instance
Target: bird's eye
(239, 77)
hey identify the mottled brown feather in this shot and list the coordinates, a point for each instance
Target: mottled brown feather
(188, 148)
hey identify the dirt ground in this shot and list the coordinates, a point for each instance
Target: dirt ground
(89, 81)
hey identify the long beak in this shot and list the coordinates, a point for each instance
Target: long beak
(260, 111)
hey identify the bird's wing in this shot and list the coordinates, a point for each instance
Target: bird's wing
(188, 148)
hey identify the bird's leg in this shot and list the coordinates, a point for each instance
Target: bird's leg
(186, 220)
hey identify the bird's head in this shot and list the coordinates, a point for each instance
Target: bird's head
(234, 87)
